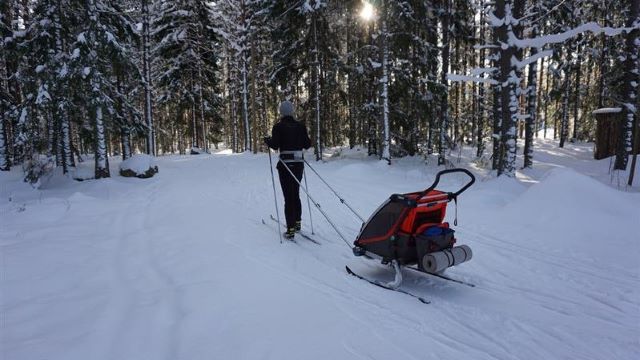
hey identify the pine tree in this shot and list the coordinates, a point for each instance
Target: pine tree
(5, 36)
(630, 88)
(145, 12)
(47, 76)
(100, 54)
(186, 60)
(506, 24)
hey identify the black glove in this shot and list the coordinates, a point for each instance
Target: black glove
(267, 140)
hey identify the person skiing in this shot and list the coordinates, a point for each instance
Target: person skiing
(290, 137)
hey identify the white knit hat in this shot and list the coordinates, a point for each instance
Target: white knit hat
(286, 108)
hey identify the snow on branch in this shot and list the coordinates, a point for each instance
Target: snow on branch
(465, 78)
(480, 71)
(531, 59)
(593, 27)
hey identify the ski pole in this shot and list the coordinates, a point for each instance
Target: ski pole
(275, 199)
(315, 203)
(308, 202)
(337, 195)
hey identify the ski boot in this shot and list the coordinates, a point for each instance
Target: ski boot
(290, 233)
(298, 226)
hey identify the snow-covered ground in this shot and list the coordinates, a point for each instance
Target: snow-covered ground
(180, 266)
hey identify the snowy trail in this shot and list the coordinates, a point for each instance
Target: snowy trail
(181, 267)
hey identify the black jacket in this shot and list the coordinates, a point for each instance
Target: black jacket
(289, 135)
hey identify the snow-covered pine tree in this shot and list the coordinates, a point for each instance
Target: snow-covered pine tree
(631, 85)
(313, 10)
(455, 31)
(48, 82)
(186, 63)
(384, 81)
(361, 65)
(413, 48)
(100, 54)
(262, 94)
(506, 24)
(302, 36)
(482, 88)
(531, 113)
(5, 36)
(244, 27)
(445, 16)
(533, 12)
(145, 14)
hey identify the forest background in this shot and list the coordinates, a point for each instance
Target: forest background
(395, 78)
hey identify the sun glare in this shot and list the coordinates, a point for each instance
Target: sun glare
(367, 11)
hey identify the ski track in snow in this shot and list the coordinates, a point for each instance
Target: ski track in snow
(181, 267)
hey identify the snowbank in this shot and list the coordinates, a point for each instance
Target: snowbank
(94, 269)
(140, 165)
(567, 212)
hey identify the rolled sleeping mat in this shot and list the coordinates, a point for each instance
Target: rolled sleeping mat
(437, 261)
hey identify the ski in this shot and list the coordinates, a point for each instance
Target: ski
(284, 239)
(377, 283)
(443, 277)
(303, 235)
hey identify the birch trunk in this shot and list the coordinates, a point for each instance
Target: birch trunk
(102, 161)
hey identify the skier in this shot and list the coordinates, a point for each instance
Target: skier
(290, 137)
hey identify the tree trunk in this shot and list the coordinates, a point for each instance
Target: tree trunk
(68, 161)
(245, 105)
(64, 135)
(636, 149)
(509, 75)
(102, 160)
(316, 80)
(4, 154)
(481, 119)
(444, 104)
(630, 89)
(576, 103)
(146, 73)
(603, 56)
(194, 126)
(5, 164)
(245, 85)
(497, 124)
(125, 142)
(386, 131)
(235, 143)
(564, 126)
(531, 108)
(539, 122)
(546, 102)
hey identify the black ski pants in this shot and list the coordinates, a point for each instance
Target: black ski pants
(291, 191)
